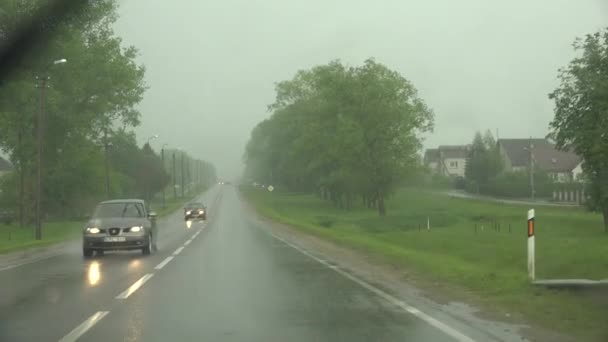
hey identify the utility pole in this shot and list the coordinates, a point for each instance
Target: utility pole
(531, 150)
(39, 131)
(182, 172)
(174, 178)
(162, 158)
(107, 162)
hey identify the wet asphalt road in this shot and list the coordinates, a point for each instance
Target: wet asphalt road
(232, 281)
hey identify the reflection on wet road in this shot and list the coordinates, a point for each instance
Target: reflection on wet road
(94, 273)
(226, 279)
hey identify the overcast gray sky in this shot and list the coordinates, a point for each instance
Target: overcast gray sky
(480, 64)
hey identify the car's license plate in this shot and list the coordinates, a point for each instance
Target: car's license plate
(115, 239)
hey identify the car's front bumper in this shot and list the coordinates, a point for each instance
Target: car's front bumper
(131, 242)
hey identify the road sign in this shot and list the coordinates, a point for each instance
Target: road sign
(270, 188)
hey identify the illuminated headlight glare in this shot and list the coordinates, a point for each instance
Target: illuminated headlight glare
(188, 212)
(201, 211)
(136, 229)
(93, 230)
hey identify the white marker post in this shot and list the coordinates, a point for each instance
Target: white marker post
(531, 273)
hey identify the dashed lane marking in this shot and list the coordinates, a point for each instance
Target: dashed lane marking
(136, 285)
(163, 263)
(84, 326)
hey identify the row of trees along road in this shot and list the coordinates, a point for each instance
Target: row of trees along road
(343, 132)
(89, 114)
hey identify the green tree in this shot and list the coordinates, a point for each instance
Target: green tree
(581, 114)
(342, 131)
(86, 100)
(483, 162)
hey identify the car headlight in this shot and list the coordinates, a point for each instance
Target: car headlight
(93, 230)
(136, 229)
(188, 212)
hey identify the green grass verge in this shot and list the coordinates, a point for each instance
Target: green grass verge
(13, 238)
(460, 258)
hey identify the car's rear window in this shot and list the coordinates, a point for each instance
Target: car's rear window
(132, 210)
(195, 205)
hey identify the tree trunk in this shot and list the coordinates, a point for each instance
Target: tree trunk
(605, 214)
(381, 208)
(21, 168)
(21, 194)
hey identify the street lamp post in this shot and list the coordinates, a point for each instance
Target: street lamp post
(182, 178)
(174, 178)
(39, 132)
(162, 158)
(152, 137)
(530, 149)
(148, 185)
(106, 146)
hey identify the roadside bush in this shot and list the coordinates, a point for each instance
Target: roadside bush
(471, 186)
(439, 181)
(517, 185)
(324, 221)
(459, 183)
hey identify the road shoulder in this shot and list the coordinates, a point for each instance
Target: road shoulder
(456, 305)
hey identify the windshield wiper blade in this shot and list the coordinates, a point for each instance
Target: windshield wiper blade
(31, 34)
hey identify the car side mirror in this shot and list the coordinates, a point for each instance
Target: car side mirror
(152, 215)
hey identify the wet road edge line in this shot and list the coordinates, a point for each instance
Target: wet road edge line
(75, 334)
(446, 329)
(136, 285)
(163, 263)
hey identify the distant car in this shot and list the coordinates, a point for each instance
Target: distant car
(195, 211)
(122, 224)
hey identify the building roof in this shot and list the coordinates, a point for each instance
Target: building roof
(454, 151)
(5, 165)
(546, 156)
(431, 155)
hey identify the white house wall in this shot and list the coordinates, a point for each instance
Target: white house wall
(577, 172)
(454, 166)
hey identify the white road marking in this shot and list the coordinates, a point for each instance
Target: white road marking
(84, 326)
(446, 329)
(187, 243)
(136, 285)
(162, 264)
(179, 250)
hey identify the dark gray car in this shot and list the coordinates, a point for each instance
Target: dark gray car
(123, 224)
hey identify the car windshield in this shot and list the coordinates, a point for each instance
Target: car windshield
(195, 205)
(376, 170)
(131, 210)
